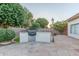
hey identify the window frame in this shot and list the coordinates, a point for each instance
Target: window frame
(73, 28)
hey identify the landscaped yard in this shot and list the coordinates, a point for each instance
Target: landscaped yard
(63, 46)
(34, 31)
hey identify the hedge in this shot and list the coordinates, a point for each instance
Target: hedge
(6, 35)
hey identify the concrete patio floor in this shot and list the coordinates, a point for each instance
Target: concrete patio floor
(63, 46)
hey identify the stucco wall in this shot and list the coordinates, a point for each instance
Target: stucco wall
(70, 23)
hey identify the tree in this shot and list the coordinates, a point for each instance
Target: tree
(11, 14)
(60, 26)
(43, 22)
(35, 25)
(28, 18)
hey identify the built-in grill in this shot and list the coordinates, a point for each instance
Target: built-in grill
(32, 35)
(31, 32)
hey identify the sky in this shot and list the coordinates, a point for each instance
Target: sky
(57, 11)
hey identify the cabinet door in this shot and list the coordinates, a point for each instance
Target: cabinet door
(23, 37)
(43, 37)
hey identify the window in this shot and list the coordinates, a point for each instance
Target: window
(74, 28)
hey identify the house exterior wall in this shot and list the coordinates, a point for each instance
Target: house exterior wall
(69, 25)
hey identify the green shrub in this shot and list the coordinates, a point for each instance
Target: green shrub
(6, 35)
(17, 39)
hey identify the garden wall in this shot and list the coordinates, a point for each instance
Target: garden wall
(18, 30)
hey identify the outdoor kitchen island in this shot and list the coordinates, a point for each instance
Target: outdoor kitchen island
(36, 36)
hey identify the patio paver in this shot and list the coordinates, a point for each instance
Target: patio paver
(63, 46)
